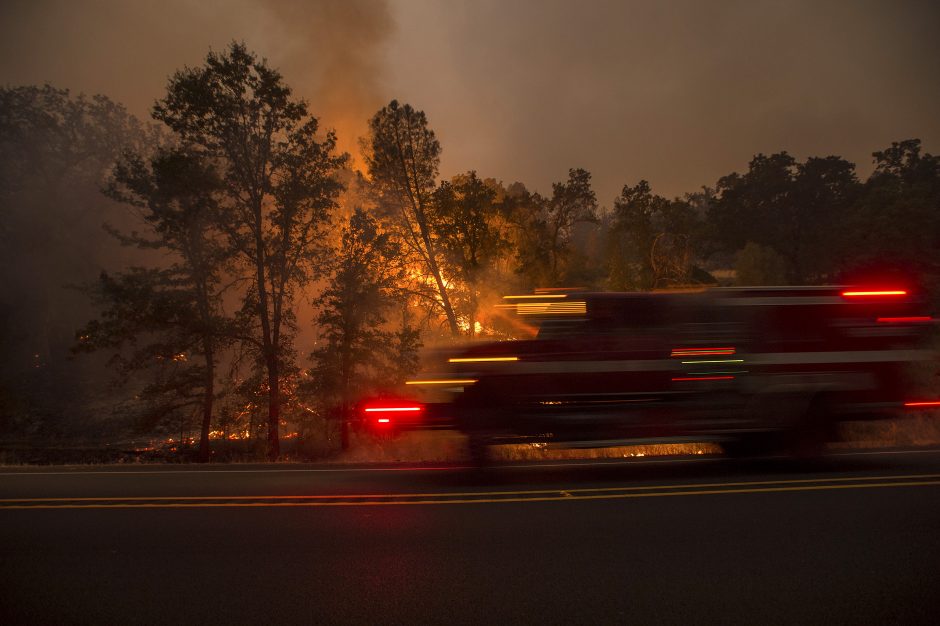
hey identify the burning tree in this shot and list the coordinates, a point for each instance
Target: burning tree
(277, 190)
(402, 155)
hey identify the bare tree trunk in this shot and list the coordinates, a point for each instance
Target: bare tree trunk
(268, 341)
(207, 400)
(274, 409)
(418, 206)
(445, 298)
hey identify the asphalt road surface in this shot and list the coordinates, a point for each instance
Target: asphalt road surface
(853, 538)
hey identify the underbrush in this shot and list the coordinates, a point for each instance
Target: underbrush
(450, 447)
(922, 430)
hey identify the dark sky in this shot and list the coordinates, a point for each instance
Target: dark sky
(677, 92)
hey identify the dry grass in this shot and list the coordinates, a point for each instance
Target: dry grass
(921, 430)
(451, 447)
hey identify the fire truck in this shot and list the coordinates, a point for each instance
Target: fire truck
(756, 370)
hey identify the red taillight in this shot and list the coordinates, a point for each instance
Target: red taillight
(393, 409)
(923, 404)
(384, 412)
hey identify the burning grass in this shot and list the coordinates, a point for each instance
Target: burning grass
(451, 447)
(922, 430)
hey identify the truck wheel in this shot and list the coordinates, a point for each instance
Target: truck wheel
(752, 445)
(808, 439)
(480, 453)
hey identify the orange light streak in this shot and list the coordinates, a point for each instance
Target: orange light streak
(858, 294)
(702, 351)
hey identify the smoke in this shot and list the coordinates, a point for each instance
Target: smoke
(678, 93)
(329, 51)
(334, 53)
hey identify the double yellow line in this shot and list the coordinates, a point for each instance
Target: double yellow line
(476, 497)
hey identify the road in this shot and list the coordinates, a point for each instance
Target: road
(850, 539)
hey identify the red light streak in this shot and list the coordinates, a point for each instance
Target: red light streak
(922, 404)
(686, 378)
(903, 320)
(390, 409)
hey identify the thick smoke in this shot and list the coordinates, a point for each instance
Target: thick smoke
(334, 59)
(330, 51)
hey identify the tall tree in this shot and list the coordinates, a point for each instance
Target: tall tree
(573, 201)
(278, 188)
(896, 218)
(359, 353)
(632, 235)
(793, 208)
(402, 156)
(528, 235)
(172, 313)
(465, 210)
(56, 150)
(652, 240)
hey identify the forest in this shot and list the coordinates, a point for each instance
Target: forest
(221, 276)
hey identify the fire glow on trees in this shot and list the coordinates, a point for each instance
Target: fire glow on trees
(462, 242)
(277, 190)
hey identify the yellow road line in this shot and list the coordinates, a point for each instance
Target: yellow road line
(457, 494)
(559, 496)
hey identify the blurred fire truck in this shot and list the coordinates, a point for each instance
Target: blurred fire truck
(757, 370)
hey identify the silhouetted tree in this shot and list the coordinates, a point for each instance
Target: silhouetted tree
(572, 202)
(652, 240)
(465, 212)
(402, 155)
(278, 185)
(160, 319)
(791, 207)
(359, 353)
(896, 219)
(528, 235)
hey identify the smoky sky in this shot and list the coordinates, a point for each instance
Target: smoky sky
(676, 92)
